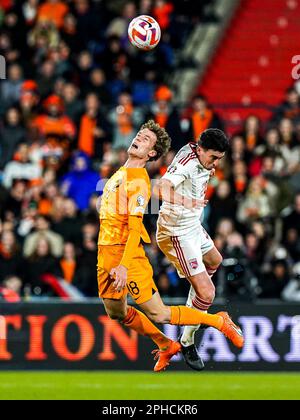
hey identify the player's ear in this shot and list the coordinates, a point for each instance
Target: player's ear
(198, 149)
(152, 153)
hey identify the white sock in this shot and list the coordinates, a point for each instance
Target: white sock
(188, 335)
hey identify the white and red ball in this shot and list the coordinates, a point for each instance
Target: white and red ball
(144, 32)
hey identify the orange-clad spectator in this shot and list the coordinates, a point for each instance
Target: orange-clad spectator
(29, 86)
(53, 10)
(239, 177)
(54, 121)
(162, 95)
(93, 127)
(166, 115)
(213, 182)
(29, 93)
(45, 207)
(68, 262)
(162, 11)
(125, 119)
(45, 204)
(29, 99)
(167, 162)
(202, 117)
(251, 132)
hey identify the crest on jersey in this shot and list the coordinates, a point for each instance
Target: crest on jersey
(140, 200)
(193, 263)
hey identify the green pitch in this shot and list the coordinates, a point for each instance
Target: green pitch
(148, 385)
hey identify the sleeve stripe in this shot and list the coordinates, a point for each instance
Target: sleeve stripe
(185, 159)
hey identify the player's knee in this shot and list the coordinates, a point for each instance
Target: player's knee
(159, 317)
(116, 315)
(154, 316)
(217, 261)
(213, 260)
(207, 293)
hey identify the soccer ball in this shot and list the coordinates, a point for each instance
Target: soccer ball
(144, 32)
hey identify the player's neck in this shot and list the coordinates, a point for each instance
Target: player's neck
(134, 163)
(199, 160)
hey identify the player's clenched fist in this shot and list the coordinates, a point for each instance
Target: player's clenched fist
(119, 273)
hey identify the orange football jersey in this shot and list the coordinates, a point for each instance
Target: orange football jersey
(126, 193)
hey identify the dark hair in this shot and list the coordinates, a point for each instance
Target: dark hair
(45, 217)
(291, 90)
(214, 139)
(200, 96)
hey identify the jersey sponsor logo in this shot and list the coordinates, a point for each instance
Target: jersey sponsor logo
(193, 263)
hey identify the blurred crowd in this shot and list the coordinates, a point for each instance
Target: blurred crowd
(75, 94)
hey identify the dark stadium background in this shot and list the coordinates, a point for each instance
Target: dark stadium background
(75, 94)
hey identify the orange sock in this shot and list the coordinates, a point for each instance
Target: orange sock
(182, 315)
(137, 321)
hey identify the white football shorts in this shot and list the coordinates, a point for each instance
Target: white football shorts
(185, 252)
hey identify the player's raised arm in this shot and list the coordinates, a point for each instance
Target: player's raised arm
(165, 191)
(135, 226)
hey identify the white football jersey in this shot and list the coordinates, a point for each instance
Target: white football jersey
(190, 179)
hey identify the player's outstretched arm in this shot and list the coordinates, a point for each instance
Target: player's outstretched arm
(165, 191)
(119, 273)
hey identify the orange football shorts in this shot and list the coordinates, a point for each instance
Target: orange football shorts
(140, 283)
